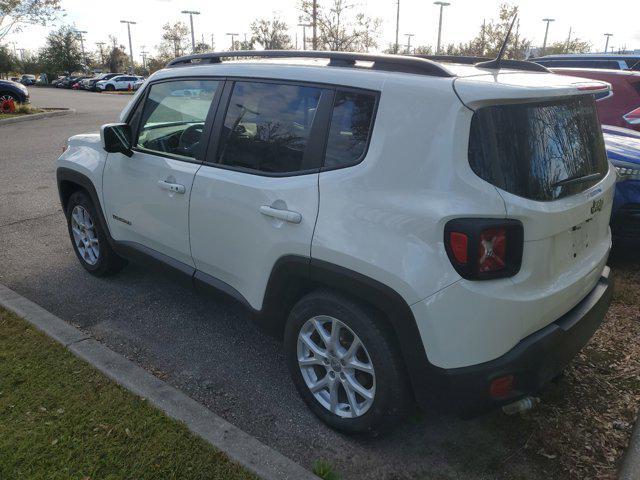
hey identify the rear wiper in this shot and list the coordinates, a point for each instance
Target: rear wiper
(577, 179)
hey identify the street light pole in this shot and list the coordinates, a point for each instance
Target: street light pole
(546, 32)
(304, 34)
(233, 36)
(397, 49)
(100, 45)
(144, 59)
(442, 5)
(606, 45)
(84, 57)
(409, 35)
(129, 23)
(314, 16)
(193, 38)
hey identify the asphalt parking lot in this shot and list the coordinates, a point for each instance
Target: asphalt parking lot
(206, 346)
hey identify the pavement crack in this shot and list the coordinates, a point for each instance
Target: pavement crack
(23, 220)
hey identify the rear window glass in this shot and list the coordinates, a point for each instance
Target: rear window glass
(351, 123)
(541, 151)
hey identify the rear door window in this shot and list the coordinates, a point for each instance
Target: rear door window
(267, 127)
(350, 129)
(541, 151)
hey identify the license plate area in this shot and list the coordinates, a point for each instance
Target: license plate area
(581, 237)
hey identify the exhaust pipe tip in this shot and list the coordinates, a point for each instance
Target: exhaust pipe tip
(520, 406)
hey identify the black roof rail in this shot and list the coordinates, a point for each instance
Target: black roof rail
(470, 60)
(391, 63)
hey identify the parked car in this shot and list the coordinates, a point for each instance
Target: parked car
(67, 82)
(120, 82)
(623, 150)
(54, 83)
(619, 107)
(13, 91)
(607, 61)
(90, 83)
(412, 241)
(28, 79)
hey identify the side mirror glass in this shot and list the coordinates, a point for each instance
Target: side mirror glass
(116, 138)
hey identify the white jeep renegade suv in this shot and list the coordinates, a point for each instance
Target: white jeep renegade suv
(417, 230)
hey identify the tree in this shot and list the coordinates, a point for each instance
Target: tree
(15, 13)
(423, 50)
(8, 60)
(202, 47)
(338, 30)
(175, 40)
(573, 46)
(62, 53)
(116, 59)
(489, 39)
(271, 34)
(248, 44)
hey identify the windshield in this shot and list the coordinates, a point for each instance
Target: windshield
(541, 151)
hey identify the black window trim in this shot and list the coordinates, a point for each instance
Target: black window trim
(215, 120)
(372, 123)
(208, 124)
(320, 134)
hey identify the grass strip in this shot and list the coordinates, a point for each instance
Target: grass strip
(62, 419)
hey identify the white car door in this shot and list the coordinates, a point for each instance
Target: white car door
(146, 196)
(256, 197)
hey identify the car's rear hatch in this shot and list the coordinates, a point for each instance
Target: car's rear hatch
(536, 138)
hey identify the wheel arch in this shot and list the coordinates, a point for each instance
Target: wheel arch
(292, 277)
(70, 181)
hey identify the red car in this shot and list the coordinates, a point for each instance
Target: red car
(621, 107)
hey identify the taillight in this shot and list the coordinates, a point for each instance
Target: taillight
(482, 249)
(492, 251)
(459, 247)
(633, 117)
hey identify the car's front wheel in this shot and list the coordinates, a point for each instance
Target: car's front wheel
(344, 363)
(109, 88)
(89, 239)
(4, 96)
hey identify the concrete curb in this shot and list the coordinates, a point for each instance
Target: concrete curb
(37, 116)
(246, 450)
(630, 468)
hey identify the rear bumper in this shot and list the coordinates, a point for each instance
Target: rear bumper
(533, 362)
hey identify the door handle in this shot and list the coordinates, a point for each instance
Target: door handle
(172, 187)
(286, 215)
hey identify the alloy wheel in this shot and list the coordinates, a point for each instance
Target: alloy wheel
(85, 235)
(336, 366)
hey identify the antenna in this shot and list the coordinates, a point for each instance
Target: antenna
(495, 63)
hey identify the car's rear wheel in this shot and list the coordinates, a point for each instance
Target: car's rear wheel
(89, 239)
(344, 363)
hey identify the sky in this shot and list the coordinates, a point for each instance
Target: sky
(589, 20)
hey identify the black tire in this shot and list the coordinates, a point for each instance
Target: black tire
(392, 395)
(109, 88)
(108, 262)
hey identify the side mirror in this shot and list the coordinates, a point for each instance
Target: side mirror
(116, 138)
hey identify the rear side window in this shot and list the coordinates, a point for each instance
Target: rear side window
(267, 126)
(541, 151)
(351, 124)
